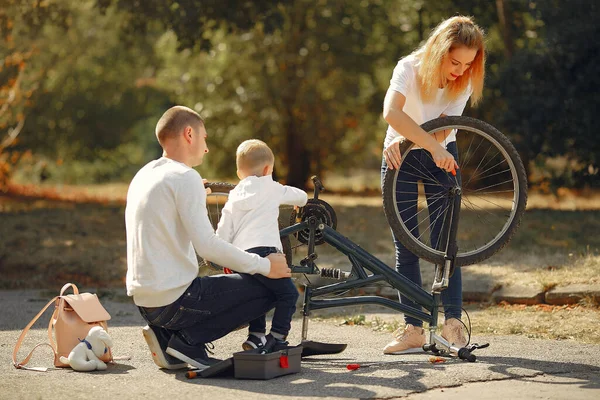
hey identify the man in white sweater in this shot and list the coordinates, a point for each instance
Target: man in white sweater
(167, 224)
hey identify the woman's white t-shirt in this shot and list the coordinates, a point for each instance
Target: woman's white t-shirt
(404, 80)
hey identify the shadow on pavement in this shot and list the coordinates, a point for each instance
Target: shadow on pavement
(326, 377)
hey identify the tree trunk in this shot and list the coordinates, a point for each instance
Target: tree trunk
(505, 27)
(298, 158)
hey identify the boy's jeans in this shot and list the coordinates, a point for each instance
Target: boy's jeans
(418, 163)
(286, 294)
(213, 306)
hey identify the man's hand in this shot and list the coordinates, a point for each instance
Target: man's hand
(279, 267)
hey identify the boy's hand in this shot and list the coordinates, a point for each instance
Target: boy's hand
(208, 190)
(279, 267)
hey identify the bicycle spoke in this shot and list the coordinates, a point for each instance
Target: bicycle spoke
(415, 175)
(489, 201)
(494, 192)
(418, 202)
(429, 174)
(431, 158)
(418, 224)
(467, 159)
(423, 183)
(483, 158)
(430, 226)
(496, 184)
(464, 162)
(484, 209)
(494, 174)
(415, 216)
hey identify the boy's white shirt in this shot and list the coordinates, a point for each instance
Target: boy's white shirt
(250, 216)
(167, 224)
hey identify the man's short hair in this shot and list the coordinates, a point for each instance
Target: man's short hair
(174, 121)
(252, 155)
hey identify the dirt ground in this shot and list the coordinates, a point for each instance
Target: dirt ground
(46, 243)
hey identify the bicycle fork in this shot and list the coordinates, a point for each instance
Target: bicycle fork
(448, 239)
(437, 344)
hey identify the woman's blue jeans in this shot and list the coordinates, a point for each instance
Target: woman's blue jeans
(418, 163)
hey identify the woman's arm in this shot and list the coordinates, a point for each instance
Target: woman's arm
(401, 122)
(441, 136)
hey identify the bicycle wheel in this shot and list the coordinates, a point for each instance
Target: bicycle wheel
(493, 186)
(215, 202)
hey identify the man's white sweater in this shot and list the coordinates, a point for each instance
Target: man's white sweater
(167, 223)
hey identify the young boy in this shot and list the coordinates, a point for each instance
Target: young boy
(250, 222)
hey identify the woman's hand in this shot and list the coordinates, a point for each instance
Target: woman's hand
(392, 153)
(443, 159)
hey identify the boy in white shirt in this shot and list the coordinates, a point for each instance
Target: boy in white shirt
(250, 222)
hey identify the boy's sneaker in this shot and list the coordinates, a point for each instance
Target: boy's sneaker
(193, 355)
(157, 342)
(272, 345)
(254, 342)
(409, 339)
(453, 332)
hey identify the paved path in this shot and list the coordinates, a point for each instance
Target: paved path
(512, 367)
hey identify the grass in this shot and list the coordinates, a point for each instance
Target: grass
(48, 240)
(568, 322)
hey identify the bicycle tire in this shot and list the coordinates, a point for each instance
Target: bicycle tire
(518, 180)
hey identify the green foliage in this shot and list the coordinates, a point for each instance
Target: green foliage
(91, 90)
(83, 82)
(552, 89)
(308, 87)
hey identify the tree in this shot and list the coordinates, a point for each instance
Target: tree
(21, 23)
(552, 89)
(80, 89)
(305, 76)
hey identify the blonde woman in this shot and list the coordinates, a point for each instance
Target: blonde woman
(435, 80)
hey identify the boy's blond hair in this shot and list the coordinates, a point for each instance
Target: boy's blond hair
(252, 155)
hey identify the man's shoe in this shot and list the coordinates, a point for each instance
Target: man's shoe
(453, 331)
(409, 339)
(194, 355)
(157, 342)
(272, 345)
(254, 342)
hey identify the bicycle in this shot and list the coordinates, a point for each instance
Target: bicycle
(491, 188)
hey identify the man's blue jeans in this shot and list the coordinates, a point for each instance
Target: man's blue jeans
(416, 165)
(212, 306)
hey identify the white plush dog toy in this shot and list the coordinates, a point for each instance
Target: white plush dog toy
(84, 357)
